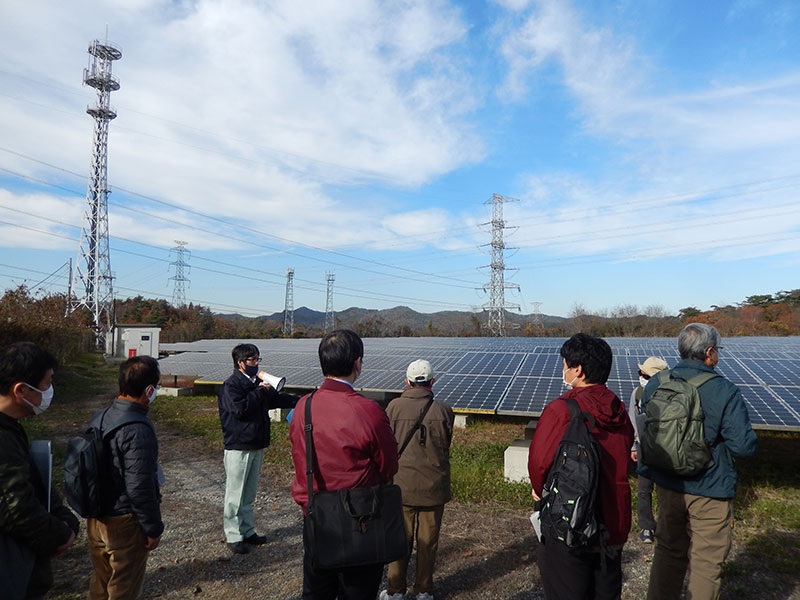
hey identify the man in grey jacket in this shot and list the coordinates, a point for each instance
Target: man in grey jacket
(423, 475)
(695, 514)
(120, 541)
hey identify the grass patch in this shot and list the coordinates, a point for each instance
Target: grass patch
(476, 462)
(198, 416)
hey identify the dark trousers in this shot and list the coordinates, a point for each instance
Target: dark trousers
(579, 575)
(644, 503)
(352, 583)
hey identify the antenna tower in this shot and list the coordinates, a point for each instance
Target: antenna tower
(329, 316)
(93, 263)
(537, 316)
(288, 311)
(497, 286)
(181, 267)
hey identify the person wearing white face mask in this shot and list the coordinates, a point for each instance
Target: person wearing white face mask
(120, 540)
(644, 486)
(29, 534)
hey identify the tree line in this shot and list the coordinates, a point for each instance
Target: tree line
(42, 318)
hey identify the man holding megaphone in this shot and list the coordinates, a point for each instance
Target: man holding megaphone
(244, 403)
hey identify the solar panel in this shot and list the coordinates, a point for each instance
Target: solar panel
(538, 365)
(486, 363)
(512, 375)
(472, 393)
(529, 395)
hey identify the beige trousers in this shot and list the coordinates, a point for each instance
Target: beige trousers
(693, 534)
(119, 558)
(422, 525)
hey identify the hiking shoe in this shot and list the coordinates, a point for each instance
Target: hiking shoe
(424, 596)
(255, 539)
(385, 595)
(239, 547)
(646, 536)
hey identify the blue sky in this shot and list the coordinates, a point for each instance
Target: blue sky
(653, 148)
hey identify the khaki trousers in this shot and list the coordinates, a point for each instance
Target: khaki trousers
(423, 525)
(693, 533)
(119, 558)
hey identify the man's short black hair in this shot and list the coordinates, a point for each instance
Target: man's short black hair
(338, 352)
(242, 352)
(136, 373)
(24, 361)
(592, 353)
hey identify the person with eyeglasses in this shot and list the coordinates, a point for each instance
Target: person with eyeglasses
(244, 403)
(695, 513)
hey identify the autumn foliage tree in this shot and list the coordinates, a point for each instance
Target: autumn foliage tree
(42, 320)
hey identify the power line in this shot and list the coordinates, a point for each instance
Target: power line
(357, 293)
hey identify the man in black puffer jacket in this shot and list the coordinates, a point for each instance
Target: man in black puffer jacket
(30, 532)
(120, 541)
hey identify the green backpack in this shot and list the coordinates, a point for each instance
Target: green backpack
(672, 440)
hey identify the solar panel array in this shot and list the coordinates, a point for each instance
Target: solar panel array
(515, 376)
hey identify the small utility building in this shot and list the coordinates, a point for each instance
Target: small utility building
(135, 340)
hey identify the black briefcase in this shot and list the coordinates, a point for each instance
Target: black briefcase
(357, 526)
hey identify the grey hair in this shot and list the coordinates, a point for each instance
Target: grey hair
(695, 339)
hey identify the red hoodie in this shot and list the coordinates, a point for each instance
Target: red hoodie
(613, 431)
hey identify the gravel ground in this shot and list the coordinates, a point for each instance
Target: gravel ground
(486, 552)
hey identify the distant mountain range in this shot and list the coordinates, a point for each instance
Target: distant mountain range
(395, 319)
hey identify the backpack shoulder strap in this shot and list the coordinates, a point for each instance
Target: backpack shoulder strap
(108, 428)
(701, 378)
(575, 412)
(664, 376)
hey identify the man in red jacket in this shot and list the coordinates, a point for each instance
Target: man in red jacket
(354, 447)
(582, 573)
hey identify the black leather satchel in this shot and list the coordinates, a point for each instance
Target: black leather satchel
(355, 526)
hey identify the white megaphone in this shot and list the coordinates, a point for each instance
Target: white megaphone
(276, 382)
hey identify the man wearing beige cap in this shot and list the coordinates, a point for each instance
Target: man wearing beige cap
(644, 488)
(423, 428)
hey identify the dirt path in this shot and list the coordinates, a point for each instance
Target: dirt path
(486, 552)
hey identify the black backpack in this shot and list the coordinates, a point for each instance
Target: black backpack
(568, 508)
(87, 464)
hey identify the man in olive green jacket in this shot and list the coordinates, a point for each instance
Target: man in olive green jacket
(423, 475)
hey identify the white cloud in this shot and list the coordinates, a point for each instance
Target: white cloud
(246, 109)
(668, 145)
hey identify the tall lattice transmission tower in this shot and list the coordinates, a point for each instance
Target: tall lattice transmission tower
(497, 286)
(288, 310)
(329, 315)
(93, 264)
(537, 316)
(181, 270)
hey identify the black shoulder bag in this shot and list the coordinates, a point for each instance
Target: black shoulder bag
(355, 526)
(416, 426)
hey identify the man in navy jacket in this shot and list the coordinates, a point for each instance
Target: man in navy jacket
(695, 514)
(244, 402)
